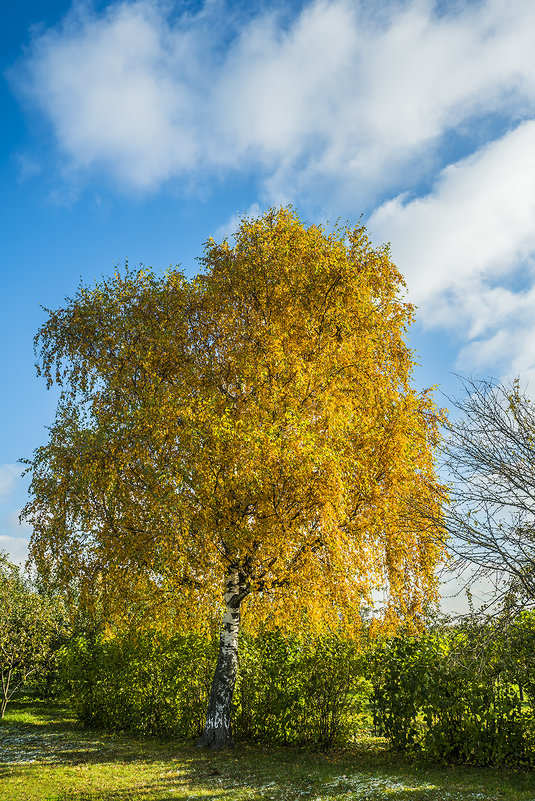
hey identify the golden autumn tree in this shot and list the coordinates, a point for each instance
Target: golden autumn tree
(249, 434)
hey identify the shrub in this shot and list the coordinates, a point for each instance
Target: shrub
(295, 689)
(290, 690)
(144, 682)
(448, 696)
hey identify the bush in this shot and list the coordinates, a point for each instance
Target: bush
(450, 696)
(462, 694)
(144, 682)
(299, 690)
(290, 689)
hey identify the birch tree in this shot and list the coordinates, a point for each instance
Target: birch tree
(248, 438)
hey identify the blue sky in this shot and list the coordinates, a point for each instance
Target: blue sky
(134, 130)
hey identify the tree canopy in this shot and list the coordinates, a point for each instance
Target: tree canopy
(258, 418)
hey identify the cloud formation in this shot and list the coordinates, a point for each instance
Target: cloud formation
(16, 548)
(467, 251)
(14, 538)
(9, 473)
(338, 93)
(351, 101)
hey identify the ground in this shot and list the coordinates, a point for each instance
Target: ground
(46, 756)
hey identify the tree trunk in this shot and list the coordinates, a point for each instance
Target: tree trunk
(6, 680)
(217, 732)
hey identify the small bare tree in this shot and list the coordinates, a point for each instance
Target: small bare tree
(489, 462)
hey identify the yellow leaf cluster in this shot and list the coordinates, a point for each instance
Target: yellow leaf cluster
(259, 417)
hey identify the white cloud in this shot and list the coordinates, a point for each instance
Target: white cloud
(341, 94)
(9, 473)
(453, 591)
(14, 537)
(15, 547)
(332, 106)
(116, 90)
(228, 229)
(467, 251)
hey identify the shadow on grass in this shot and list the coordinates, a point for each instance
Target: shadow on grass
(36, 736)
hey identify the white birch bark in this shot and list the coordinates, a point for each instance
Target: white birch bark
(218, 730)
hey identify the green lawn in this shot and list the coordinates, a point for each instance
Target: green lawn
(46, 756)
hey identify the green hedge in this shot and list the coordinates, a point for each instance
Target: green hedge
(462, 694)
(459, 695)
(146, 682)
(290, 689)
(294, 689)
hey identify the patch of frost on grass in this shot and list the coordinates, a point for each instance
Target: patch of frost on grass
(48, 747)
(360, 785)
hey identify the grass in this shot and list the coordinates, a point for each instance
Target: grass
(46, 756)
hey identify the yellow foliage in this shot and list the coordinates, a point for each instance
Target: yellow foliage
(260, 416)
